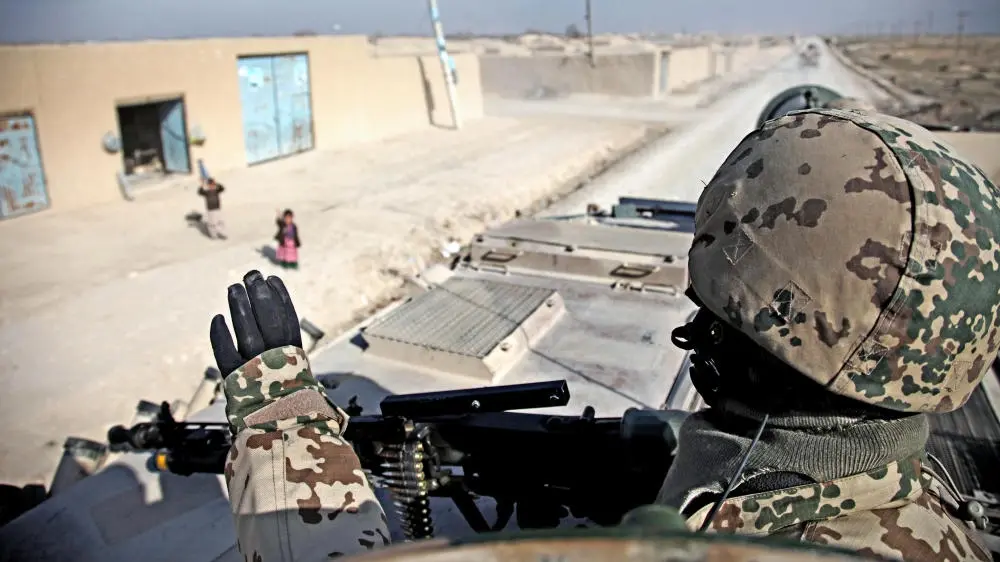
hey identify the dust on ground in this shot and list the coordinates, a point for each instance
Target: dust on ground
(963, 77)
(108, 305)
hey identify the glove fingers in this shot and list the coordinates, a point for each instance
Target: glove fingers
(226, 356)
(249, 340)
(288, 313)
(267, 310)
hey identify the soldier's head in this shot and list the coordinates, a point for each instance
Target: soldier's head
(851, 104)
(856, 251)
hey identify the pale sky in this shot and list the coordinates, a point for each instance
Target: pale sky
(98, 20)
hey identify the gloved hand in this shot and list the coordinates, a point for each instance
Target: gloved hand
(263, 318)
(267, 363)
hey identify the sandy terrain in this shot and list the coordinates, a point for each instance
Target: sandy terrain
(964, 81)
(103, 307)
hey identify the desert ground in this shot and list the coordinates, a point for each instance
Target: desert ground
(961, 76)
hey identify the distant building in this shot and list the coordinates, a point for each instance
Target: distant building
(75, 119)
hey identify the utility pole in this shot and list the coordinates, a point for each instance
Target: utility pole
(916, 32)
(930, 22)
(446, 65)
(961, 29)
(590, 35)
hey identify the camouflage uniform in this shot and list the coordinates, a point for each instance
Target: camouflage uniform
(296, 488)
(862, 252)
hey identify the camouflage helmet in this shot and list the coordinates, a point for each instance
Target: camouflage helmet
(851, 103)
(861, 251)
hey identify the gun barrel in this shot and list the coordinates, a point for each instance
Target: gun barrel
(477, 400)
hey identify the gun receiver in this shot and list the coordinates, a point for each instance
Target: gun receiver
(464, 443)
(474, 400)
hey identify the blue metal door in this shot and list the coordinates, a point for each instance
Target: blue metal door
(258, 100)
(22, 181)
(291, 79)
(173, 134)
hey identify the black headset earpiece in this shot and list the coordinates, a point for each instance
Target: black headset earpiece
(703, 335)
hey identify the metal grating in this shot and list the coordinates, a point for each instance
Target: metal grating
(466, 317)
(967, 441)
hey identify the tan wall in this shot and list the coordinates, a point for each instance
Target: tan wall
(746, 55)
(722, 62)
(777, 52)
(73, 91)
(630, 74)
(688, 66)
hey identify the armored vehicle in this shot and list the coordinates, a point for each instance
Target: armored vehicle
(809, 56)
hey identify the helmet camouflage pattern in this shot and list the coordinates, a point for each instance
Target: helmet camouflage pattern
(860, 250)
(851, 103)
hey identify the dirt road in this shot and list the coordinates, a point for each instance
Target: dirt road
(679, 165)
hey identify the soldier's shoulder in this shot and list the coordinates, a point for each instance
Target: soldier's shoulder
(919, 531)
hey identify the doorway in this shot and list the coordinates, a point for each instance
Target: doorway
(154, 139)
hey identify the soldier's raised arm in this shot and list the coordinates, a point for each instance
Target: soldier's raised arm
(296, 487)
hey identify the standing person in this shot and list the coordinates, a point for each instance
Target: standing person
(288, 240)
(211, 190)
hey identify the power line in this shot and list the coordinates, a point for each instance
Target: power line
(590, 34)
(962, 14)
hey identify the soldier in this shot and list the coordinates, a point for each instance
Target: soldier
(845, 267)
(842, 298)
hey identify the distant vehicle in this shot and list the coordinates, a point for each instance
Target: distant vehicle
(809, 56)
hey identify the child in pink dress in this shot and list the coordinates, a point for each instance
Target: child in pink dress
(288, 240)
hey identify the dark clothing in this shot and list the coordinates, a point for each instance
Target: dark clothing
(211, 196)
(280, 236)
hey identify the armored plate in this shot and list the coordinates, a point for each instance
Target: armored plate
(590, 301)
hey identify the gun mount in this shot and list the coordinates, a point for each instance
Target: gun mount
(459, 444)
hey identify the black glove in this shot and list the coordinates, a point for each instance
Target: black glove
(263, 318)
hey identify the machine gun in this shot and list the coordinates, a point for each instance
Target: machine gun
(464, 443)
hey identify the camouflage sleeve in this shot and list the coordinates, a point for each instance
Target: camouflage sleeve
(296, 488)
